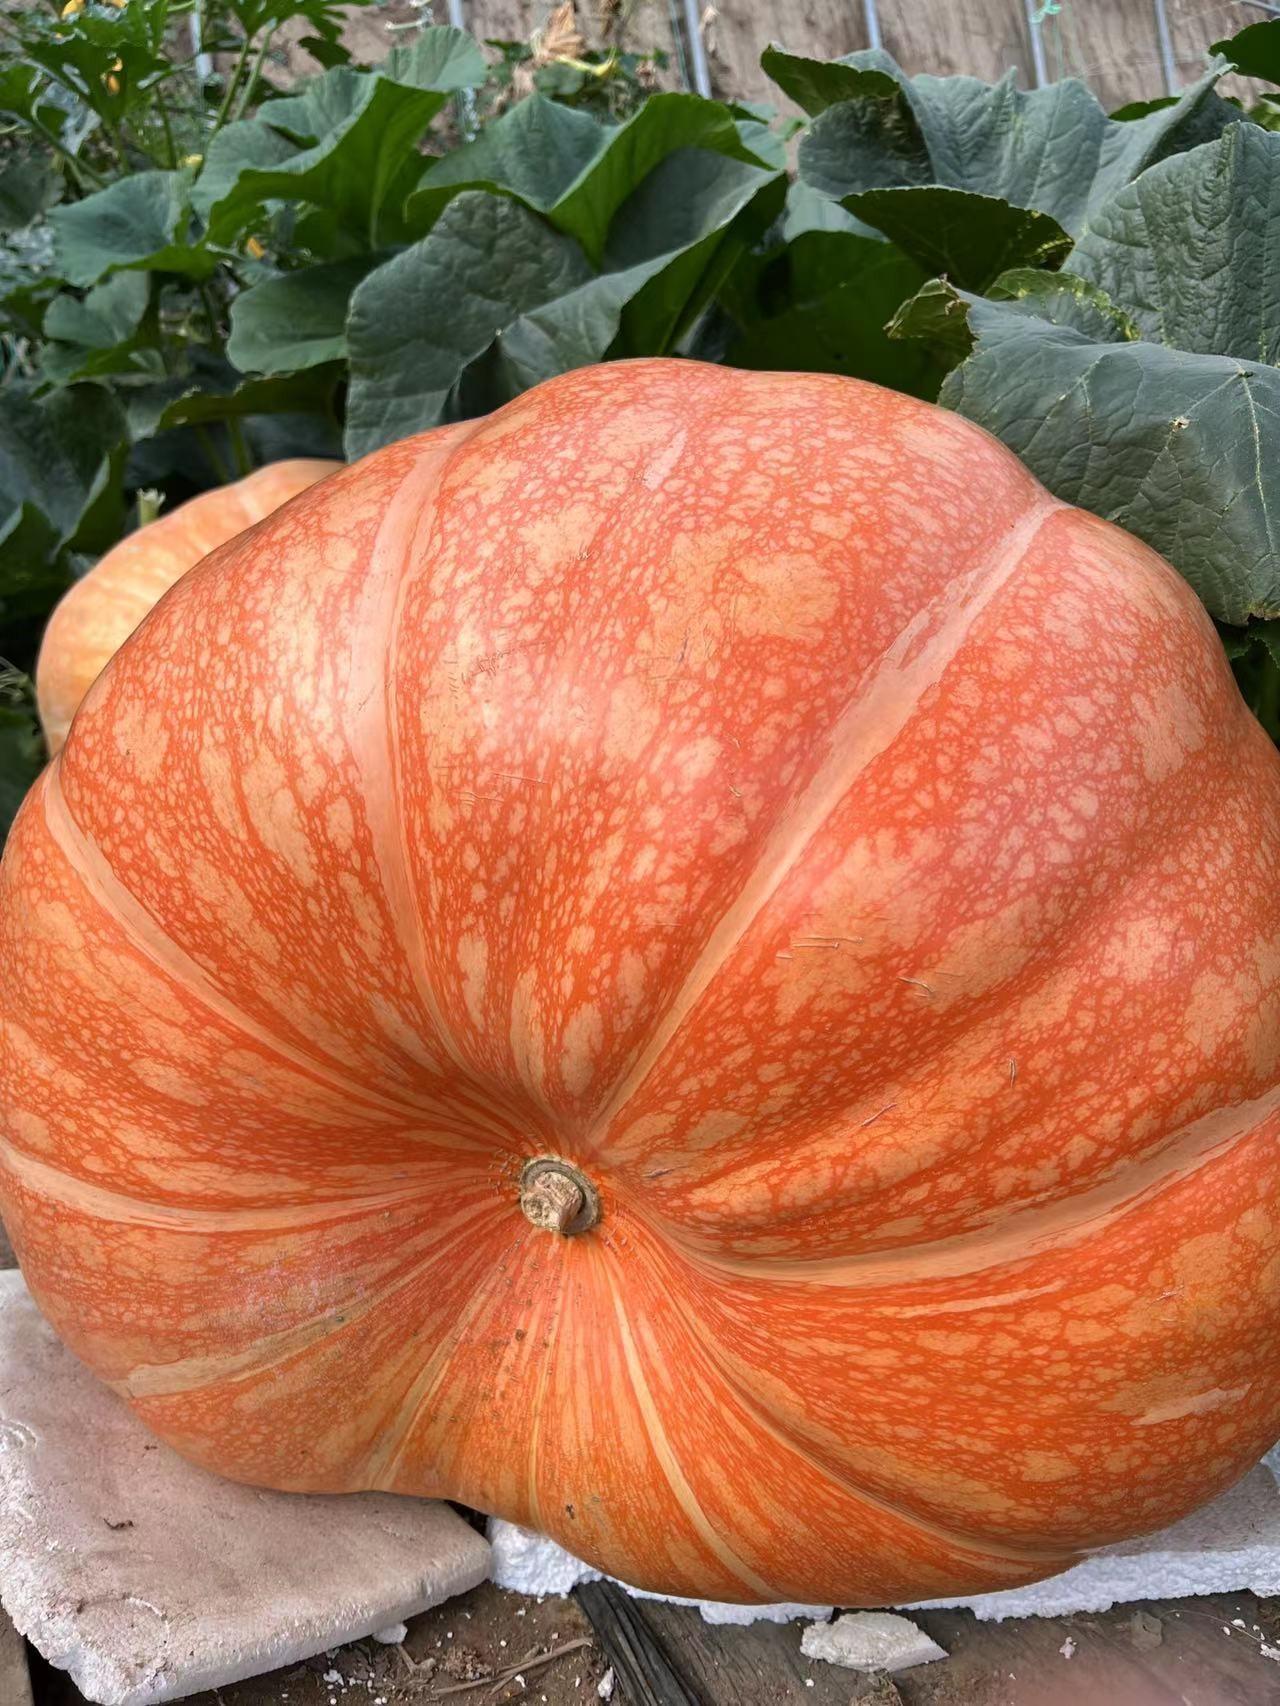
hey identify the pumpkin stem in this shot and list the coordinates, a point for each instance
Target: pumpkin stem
(558, 1198)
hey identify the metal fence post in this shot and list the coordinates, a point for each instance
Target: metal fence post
(1039, 70)
(871, 18)
(697, 51)
(1168, 64)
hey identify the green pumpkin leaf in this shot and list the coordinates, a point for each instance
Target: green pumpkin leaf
(972, 238)
(59, 465)
(347, 142)
(309, 392)
(296, 320)
(99, 334)
(138, 221)
(419, 320)
(534, 151)
(28, 186)
(1189, 248)
(1051, 150)
(54, 453)
(816, 84)
(611, 162)
(938, 312)
(1182, 450)
(1254, 51)
(821, 303)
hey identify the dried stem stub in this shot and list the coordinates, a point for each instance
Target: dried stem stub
(557, 1197)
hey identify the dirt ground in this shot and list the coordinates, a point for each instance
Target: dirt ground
(490, 1647)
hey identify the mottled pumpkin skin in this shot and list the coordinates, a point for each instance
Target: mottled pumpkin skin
(757, 790)
(97, 615)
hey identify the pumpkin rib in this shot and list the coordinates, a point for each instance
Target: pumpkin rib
(1018, 1237)
(377, 745)
(1047, 1559)
(384, 1468)
(164, 1380)
(1208, 791)
(98, 612)
(665, 1453)
(1032, 982)
(852, 743)
(553, 1301)
(95, 872)
(125, 1210)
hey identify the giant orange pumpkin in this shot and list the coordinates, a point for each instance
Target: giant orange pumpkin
(694, 964)
(97, 615)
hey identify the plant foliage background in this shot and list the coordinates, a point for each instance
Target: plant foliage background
(199, 274)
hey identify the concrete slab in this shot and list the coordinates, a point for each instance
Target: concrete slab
(148, 1579)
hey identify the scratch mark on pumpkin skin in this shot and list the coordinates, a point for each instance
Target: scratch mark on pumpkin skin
(878, 713)
(1195, 1404)
(1031, 1232)
(194, 1373)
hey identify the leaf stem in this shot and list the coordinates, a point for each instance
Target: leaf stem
(80, 167)
(246, 94)
(162, 107)
(233, 85)
(239, 449)
(1267, 708)
(209, 445)
(215, 323)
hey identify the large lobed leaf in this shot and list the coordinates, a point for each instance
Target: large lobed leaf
(346, 143)
(1143, 387)
(972, 177)
(143, 221)
(609, 247)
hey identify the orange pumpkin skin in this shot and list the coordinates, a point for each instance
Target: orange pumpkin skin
(95, 617)
(757, 791)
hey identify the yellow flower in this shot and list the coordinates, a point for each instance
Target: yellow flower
(192, 159)
(72, 9)
(254, 247)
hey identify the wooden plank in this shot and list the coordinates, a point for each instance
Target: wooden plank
(1207, 1651)
(736, 33)
(1195, 24)
(759, 1665)
(982, 38)
(640, 1661)
(1114, 48)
